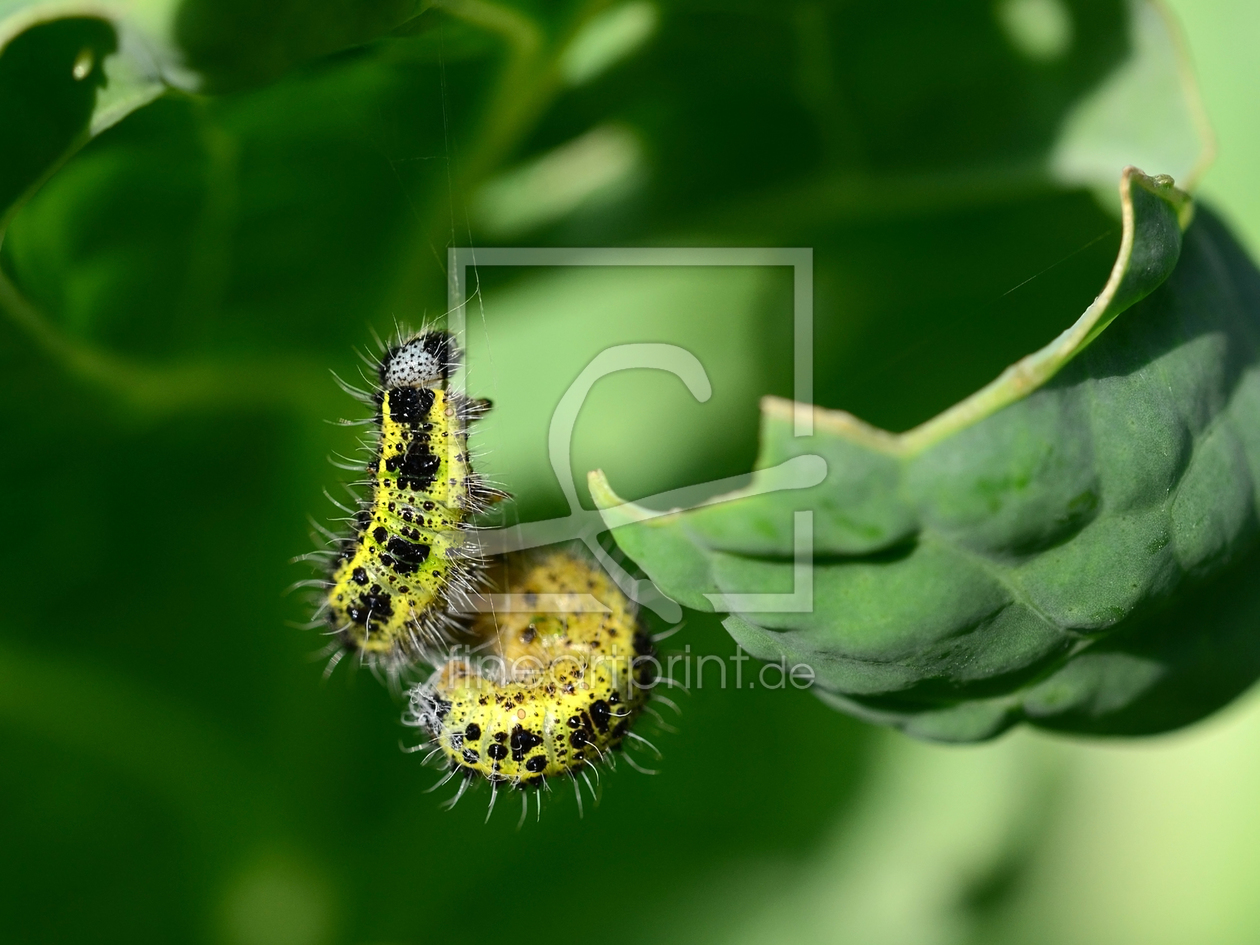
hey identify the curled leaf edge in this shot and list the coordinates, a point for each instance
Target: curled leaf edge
(1016, 382)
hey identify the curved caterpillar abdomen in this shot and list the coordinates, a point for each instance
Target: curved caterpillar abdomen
(555, 692)
(410, 554)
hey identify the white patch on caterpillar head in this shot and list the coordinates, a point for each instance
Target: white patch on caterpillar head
(412, 366)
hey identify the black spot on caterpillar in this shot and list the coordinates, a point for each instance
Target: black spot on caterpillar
(559, 692)
(409, 554)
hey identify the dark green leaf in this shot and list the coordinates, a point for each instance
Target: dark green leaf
(48, 80)
(1014, 558)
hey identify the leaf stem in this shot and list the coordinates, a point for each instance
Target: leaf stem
(157, 391)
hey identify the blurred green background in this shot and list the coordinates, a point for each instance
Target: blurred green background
(175, 769)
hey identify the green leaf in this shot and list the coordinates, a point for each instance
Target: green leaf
(1115, 124)
(49, 75)
(70, 70)
(1016, 556)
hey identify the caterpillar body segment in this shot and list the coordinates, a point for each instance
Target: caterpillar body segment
(552, 693)
(411, 552)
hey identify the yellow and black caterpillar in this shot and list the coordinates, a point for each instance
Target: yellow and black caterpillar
(570, 668)
(410, 554)
(550, 693)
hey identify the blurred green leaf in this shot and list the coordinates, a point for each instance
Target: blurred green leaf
(236, 44)
(1116, 123)
(55, 56)
(1015, 557)
(48, 80)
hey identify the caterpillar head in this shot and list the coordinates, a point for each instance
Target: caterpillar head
(421, 361)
